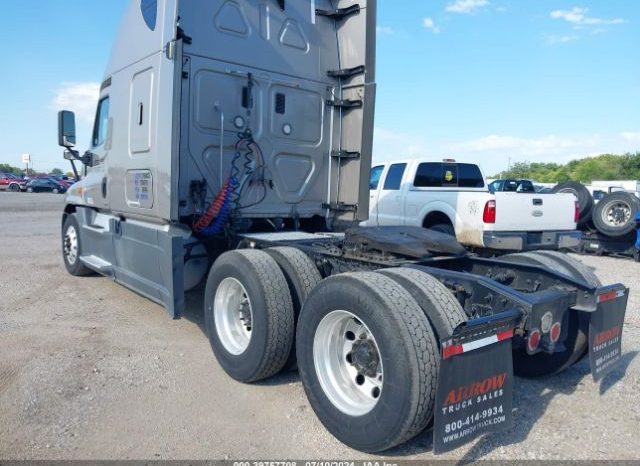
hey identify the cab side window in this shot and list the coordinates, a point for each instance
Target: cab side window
(102, 122)
(394, 177)
(376, 173)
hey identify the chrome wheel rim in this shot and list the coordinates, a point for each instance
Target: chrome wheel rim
(348, 363)
(70, 245)
(617, 213)
(233, 316)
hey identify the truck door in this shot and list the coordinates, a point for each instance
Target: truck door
(374, 192)
(390, 200)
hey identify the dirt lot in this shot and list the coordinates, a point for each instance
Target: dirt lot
(90, 370)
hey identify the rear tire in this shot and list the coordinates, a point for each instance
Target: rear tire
(14, 188)
(576, 343)
(445, 228)
(615, 214)
(302, 276)
(72, 248)
(249, 315)
(438, 303)
(396, 332)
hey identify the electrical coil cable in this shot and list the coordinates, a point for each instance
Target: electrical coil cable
(228, 199)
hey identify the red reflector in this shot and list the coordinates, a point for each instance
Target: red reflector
(534, 340)
(576, 213)
(610, 296)
(451, 350)
(489, 215)
(555, 332)
(505, 335)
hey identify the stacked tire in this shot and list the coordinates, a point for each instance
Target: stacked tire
(614, 216)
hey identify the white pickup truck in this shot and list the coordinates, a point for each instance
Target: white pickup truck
(454, 198)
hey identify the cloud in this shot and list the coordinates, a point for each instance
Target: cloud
(631, 137)
(553, 39)
(385, 30)
(80, 98)
(466, 7)
(545, 145)
(389, 144)
(578, 16)
(430, 24)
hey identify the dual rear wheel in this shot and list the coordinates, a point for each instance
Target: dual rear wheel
(366, 343)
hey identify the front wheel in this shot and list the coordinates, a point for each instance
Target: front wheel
(368, 360)
(72, 247)
(14, 188)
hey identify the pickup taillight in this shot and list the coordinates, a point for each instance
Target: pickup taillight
(576, 213)
(489, 215)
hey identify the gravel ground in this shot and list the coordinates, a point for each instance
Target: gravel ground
(90, 370)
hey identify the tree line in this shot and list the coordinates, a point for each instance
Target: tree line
(603, 167)
(6, 168)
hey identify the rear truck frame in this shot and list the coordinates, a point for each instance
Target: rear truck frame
(232, 145)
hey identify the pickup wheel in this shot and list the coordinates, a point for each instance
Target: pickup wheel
(615, 214)
(438, 303)
(368, 360)
(72, 248)
(249, 315)
(302, 276)
(445, 228)
(576, 343)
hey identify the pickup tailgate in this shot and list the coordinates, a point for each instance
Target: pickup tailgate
(533, 212)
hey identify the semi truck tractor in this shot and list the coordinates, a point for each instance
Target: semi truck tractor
(232, 145)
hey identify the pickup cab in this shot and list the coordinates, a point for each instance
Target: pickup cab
(454, 198)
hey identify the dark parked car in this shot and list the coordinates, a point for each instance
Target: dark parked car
(41, 185)
(516, 186)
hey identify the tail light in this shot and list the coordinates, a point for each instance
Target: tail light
(489, 215)
(534, 340)
(554, 335)
(576, 213)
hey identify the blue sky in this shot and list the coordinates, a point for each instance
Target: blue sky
(477, 80)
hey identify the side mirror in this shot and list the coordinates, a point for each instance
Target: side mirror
(66, 129)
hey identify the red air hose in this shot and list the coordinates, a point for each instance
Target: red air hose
(213, 210)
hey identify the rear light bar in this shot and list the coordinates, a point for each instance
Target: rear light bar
(489, 215)
(455, 349)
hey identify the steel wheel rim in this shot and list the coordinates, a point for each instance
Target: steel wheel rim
(352, 389)
(617, 213)
(71, 245)
(233, 316)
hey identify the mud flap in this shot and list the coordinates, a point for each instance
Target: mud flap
(475, 388)
(605, 330)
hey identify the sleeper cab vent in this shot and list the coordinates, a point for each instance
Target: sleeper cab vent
(281, 103)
